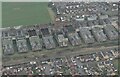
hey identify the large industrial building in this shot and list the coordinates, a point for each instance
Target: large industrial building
(22, 45)
(99, 35)
(72, 35)
(86, 35)
(7, 46)
(61, 39)
(36, 43)
(47, 38)
(111, 32)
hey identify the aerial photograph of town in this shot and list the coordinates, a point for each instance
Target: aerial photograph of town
(60, 38)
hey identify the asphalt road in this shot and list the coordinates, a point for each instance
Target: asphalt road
(53, 55)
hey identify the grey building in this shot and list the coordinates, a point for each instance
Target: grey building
(72, 35)
(11, 33)
(6, 33)
(111, 32)
(7, 46)
(36, 43)
(47, 38)
(74, 38)
(61, 39)
(20, 33)
(32, 32)
(49, 42)
(86, 35)
(99, 34)
(22, 45)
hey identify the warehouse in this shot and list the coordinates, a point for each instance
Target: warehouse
(22, 45)
(12, 32)
(32, 32)
(49, 42)
(74, 38)
(72, 35)
(99, 34)
(6, 33)
(45, 32)
(20, 33)
(62, 41)
(7, 46)
(86, 35)
(36, 43)
(111, 32)
(47, 38)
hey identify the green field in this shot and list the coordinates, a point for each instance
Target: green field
(24, 13)
(117, 64)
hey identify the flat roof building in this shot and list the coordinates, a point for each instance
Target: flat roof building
(32, 32)
(99, 34)
(47, 38)
(6, 33)
(86, 35)
(22, 45)
(20, 33)
(72, 35)
(74, 38)
(69, 29)
(61, 39)
(45, 31)
(7, 46)
(49, 42)
(111, 32)
(36, 43)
